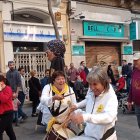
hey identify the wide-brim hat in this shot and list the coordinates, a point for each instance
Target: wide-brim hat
(136, 56)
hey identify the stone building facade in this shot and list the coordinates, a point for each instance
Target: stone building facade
(101, 32)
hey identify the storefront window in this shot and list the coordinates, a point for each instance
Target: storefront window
(27, 47)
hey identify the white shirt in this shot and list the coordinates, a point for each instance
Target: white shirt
(100, 114)
(23, 87)
(46, 100)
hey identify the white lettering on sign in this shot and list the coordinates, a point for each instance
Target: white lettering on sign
(31, 33)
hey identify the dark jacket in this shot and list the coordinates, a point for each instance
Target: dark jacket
(111, 75)
(125, 70)
(44, 81)
(14, 79)
(35, 88)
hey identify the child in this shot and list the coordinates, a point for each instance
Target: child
(16, 103)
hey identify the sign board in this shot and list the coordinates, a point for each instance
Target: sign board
(128, 50)
(58, 16)
(78, 50)
(101, 29)
(17, 31)
(132, 30)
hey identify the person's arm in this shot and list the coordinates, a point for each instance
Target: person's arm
(4, 96)
(105, 117)
(46, 96)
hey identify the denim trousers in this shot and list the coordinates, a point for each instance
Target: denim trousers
(21, 97)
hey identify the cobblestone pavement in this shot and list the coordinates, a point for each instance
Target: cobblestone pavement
(126, 127)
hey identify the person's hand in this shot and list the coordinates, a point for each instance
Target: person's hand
(14, 95)
(0, 87)
(58, 97)
(77, 118)
(129, 106)
(72, 108)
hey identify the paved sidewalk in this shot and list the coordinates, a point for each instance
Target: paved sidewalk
(126, 127)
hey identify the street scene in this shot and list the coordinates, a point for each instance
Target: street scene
(126, 127)
(69, 69)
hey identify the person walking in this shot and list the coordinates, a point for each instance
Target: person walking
(34, 91)
(13, 78)
(134, 93)
(111, 75)
(44, 81)
(6, 110)
(82, 63)
(21, 95)
(128, 78)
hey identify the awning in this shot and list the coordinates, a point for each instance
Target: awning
(106, 39)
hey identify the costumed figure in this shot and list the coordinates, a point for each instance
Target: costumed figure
(55, 53)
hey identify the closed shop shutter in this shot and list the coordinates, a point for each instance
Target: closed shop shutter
(102, 53)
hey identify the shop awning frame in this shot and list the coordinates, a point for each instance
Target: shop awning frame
(104, 39)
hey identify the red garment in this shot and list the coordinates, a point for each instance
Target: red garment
(134, 93)
(121, 82)
(83, 76)
(6, 100)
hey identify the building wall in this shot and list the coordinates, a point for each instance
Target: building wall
(19, 5)
(66, 31)
(103, 14)
(1, 42)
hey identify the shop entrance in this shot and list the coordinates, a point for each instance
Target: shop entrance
(103, 54)
(30, 56)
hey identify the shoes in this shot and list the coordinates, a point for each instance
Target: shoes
(34, 115)
(17, 124)
(25, 117)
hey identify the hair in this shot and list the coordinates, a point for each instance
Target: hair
(109, 66)
(100, 76)
(124, 61)
(129, 64)
(47, 70)
(56, 74)
(10, 62)
(32, 72)
(20, 68)
(2, 79)
(81, 62)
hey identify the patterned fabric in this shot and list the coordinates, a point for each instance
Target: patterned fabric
(57, 47)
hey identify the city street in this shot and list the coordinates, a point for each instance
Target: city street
(126, 128)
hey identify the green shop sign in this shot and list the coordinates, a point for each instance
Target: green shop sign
(128, 50)
(78, 50)
(132, 30)
(101, 29)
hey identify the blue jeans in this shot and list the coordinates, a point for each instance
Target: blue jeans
(21, 97)
(137, 112)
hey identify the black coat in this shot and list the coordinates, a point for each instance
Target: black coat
(35, 88)
(111, 76)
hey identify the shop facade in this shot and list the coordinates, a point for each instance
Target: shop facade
(103, 33)
(25, 28)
